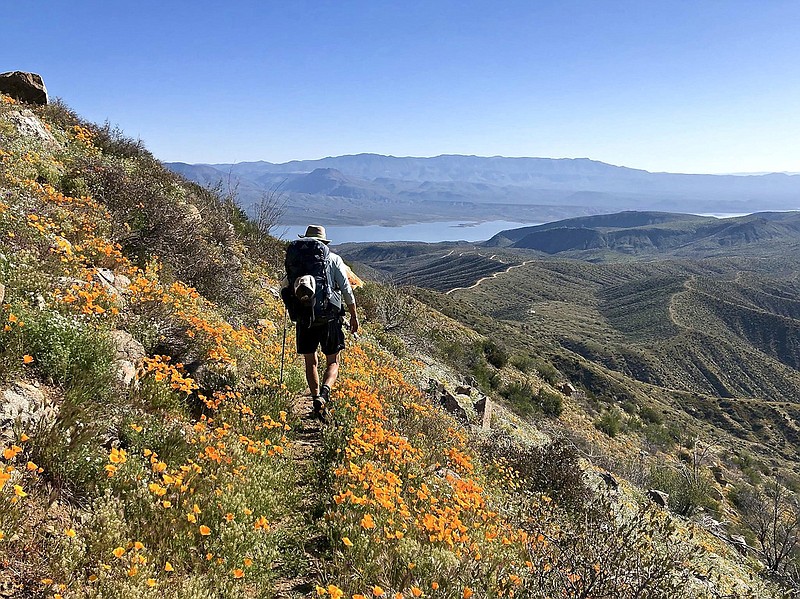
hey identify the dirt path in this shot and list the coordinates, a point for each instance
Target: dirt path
(306, 542)
(492, 276)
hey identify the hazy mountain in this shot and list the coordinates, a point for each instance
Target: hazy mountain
(462, 184)
(655, 232)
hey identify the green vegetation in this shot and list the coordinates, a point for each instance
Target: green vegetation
(157, 453)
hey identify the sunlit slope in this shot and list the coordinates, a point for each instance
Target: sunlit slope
(718, 326)
(441, 267)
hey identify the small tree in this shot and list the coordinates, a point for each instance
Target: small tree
(773, 516)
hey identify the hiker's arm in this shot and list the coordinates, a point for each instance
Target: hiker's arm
(353, 317)
(340, 275)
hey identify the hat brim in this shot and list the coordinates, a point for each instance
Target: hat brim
(325, 241)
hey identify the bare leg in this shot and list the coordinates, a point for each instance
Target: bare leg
(312, 376)
(331, 369)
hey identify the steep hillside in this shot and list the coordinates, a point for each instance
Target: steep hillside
(154, 443)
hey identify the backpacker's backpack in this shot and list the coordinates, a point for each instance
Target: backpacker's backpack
(308, 297)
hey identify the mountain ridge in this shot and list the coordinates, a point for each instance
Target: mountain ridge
(469, 185)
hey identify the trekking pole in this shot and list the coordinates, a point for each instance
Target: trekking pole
(283, 347)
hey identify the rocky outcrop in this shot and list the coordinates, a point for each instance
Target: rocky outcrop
(23, 404)
(29, 125)
(25, 87)
(659, 498)
(452, 405)
(127, 354)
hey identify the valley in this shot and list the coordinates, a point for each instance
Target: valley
(713, 340)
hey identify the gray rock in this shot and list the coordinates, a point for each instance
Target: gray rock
(125, 371)
(122, 283)
(739, 542)
(2, 293)
(24, 404)
(567, 389)
(29, 125)
(450, 403)
(23, 86)
(659, 497)
(126, 347)
(610, 481)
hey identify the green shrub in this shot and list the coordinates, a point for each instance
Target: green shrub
(610, 422)
(650, 415)
(688, 488)
(70, 352)
(496, 354)
(553, 468)
(550, 403)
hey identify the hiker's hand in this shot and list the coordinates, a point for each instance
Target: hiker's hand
(354, 324)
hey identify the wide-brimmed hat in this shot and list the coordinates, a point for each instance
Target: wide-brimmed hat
(316, 232)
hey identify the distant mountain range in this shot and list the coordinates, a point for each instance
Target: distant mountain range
(643, 233)
(377, 189)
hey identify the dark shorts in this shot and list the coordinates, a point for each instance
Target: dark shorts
(330, 337)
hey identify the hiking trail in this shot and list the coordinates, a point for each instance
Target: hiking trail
(492, 276)
(305, 543)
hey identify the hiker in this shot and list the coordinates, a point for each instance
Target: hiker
(315, 286)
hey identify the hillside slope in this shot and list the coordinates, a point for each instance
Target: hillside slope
(151, 439)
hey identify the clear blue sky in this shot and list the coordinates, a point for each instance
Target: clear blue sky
(682, 86)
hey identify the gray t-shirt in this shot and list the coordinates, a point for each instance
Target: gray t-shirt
(338, 281)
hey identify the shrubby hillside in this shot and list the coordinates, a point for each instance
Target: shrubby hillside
(155, 444)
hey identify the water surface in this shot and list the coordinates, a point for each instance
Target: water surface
(428, 232)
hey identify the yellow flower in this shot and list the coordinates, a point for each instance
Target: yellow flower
(377, 591)
(70, 532)
(367, 521)
(238, 573)
(467, 593)
(416, 591)
(168, 567)
(151, 582)
(138, 546)
(205, 530)
(347, 542)
(248, 562)
(118, 552)
(26, 359)
(19, 492)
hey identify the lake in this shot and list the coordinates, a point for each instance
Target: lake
(428, 232)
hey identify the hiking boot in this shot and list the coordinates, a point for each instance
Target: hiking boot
(319, 408)
(325, 393)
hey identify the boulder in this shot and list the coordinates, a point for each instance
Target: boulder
(126, 347)
(463, 390)
(450, 403)
(125, 371)
(740, 543)
(567, 389)
(29, 125)
(122, 283)
(609, 480)
(25, 87)
(25, 404)
(658, 497)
